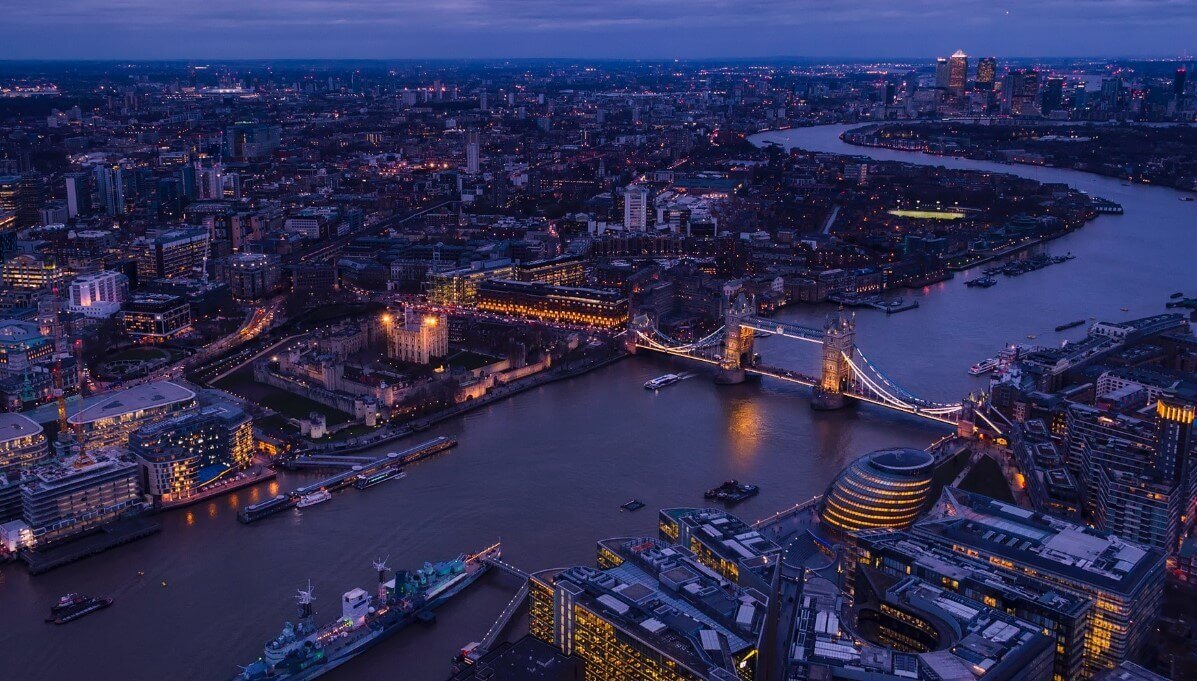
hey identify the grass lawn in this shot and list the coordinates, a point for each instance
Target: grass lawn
(927, 214)
(139, 353)
(242, 383)
(464, 359)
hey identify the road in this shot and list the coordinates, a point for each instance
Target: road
(258, 321)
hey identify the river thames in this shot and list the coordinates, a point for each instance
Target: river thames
(546, 471)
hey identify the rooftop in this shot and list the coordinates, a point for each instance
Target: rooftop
(15, 426)
(1078, 553)
(147, 396)
(661, 595)
(17, 331)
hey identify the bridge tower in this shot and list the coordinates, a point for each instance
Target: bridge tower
(839, 343)
(640, 323)
(966, 425)
(738, 340)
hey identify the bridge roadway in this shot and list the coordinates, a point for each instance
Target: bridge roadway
(800, 379)
(786, 329)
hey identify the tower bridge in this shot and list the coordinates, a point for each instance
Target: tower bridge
(846, 374)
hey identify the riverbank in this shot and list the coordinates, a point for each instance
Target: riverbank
(387, 436)
(1021, 149)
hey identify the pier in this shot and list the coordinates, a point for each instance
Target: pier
(355, 468)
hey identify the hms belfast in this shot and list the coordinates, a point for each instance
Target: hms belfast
(305, 650)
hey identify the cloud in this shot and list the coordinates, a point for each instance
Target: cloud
(472, 28)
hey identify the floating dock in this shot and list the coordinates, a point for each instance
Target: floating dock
(356, 470)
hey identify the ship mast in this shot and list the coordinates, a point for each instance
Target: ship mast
(306, 599)
(380, 566)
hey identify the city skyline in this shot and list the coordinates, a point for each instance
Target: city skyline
(664, 29)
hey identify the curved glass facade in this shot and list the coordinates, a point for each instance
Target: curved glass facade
(887, 488)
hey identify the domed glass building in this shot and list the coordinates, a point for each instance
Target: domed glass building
(887, 488)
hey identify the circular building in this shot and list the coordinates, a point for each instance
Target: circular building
(887, 488)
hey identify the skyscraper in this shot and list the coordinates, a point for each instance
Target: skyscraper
(942, 75)
(1020, 90)
(473, 152)
(635, 208)
(209, 182)
(1053, 95)
(986, 73)
(1174, 444)
(958, 73)
(78, 191)
(110, 189)
(31, 194)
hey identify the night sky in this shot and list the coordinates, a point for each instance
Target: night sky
(689, 29)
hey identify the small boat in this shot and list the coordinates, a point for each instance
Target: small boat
(983, 367)
(1031, 336)
(1126, 309)
(1187, 198)
(981, 282)
(314, 498)
(1176, 295)
(633, 505)
(661, 381)
(73, 606)
(379, 477)
(1070, 325)
(732, 492)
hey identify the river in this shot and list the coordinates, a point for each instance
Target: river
(546, 471)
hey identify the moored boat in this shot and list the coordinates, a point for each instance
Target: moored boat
(318, 497)
(72, 606)
(304, 650)
(983, 367)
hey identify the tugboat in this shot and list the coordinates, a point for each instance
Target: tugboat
(732, 492)
(305, 650)
(73, 606)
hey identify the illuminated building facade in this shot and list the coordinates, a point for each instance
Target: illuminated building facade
(1061, 614)
(31, 272)
(156, 316)
(886, 489)
(565, 270)
(1124, 580)
(958, 73)
(22, 444)
(460, 287)
(561, 304)
(723, 543)
(98, 294)
(176, 253)
(21, 346)
(66, 498)
(417, 338)
(986, 73)
(635, 208)
(650, 611)
(180, 455)
(108, 422)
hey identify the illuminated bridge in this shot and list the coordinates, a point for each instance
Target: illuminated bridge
(847, 374)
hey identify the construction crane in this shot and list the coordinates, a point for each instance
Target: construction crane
(57, 334)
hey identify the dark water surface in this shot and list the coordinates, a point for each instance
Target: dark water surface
(547, 470)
